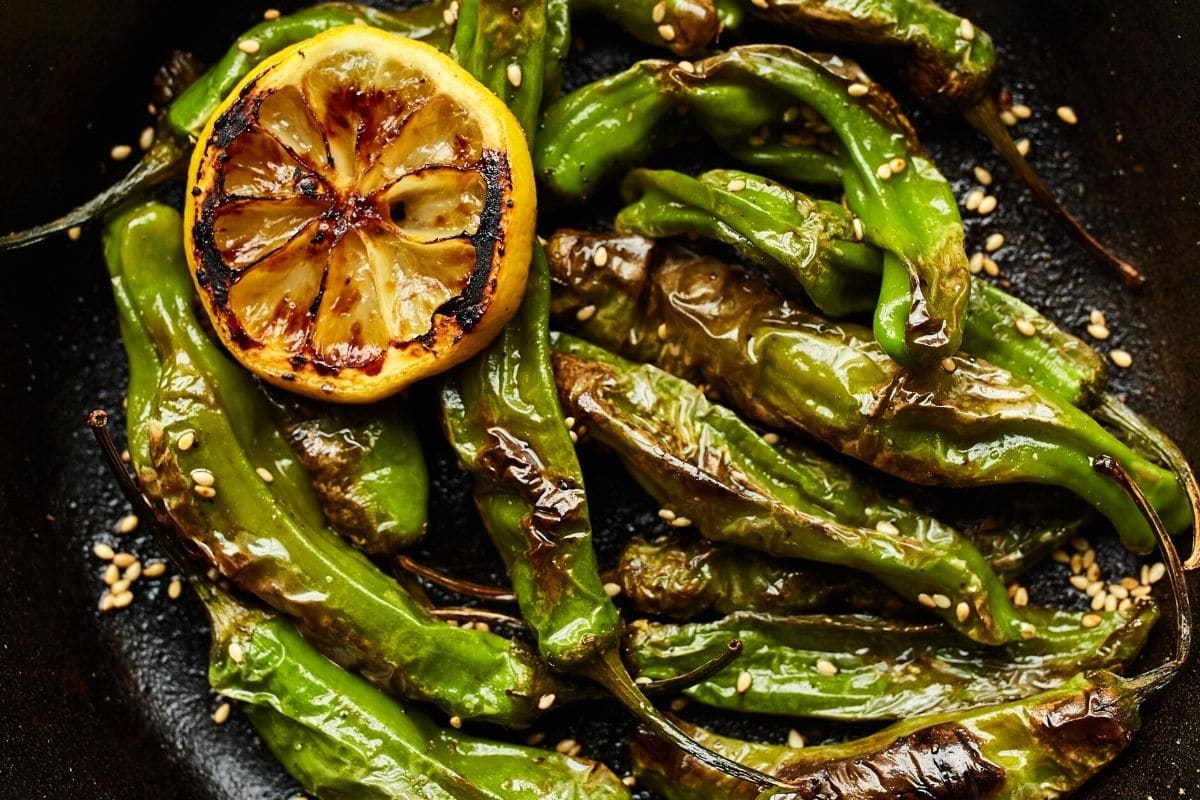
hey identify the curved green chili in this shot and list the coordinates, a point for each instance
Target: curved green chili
(967, 424)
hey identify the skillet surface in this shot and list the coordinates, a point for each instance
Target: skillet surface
(118, 707)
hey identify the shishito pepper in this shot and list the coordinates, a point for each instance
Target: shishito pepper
(717, 472)
(183, 120)
(814, 246)
(906, 207)
(340, 737)
(854, 667)
(965, 423)
(269, 539)
(684, 26)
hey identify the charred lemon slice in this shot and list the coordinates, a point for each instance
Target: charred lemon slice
(360, 215)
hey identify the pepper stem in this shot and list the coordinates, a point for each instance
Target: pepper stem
(1158, 678)
(609, 671)
(985, 118)
(478, 591)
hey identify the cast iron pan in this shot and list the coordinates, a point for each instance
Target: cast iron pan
(118, 706)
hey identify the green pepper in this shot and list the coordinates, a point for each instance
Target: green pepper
(905, 206)
(855, 667)
(964, 423)
(340, 737)
(707, 466)
(688, 579)
(366, 467)
(684, 26)
(183, 120)
(249, 530)
(813, 246)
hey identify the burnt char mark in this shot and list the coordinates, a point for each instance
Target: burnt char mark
(468, 308)
(1087, 729)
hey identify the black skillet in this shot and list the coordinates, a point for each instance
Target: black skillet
(117, 706)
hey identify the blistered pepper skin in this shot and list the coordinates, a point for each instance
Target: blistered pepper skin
(789, 370)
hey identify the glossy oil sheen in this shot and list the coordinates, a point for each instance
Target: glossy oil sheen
(118, 706)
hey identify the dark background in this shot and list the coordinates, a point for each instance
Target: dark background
(118, 707)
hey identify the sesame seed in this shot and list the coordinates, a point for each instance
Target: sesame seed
(1140, 591)
(1098, 332)
(973, 199)
(1076, 563)
(1061, 556)
(546, 701)
(994, 242)
(744, 679)
(1125, 605)
(771, 438)
(926, 600)
(736, 185)
(885, 526)
(106, 602)
(1080, 582)
(643, 680)
(221, 714)
(612, 589)
(585, 313)
(988, 204)
(983, 176)
(1012, 589)
(1008, 118)
(1025, 327)
(146, 139)
(1091, 620)
(1080, 543)
(202, 477)
(667, 32)
(155, 569)
(1097, 317)
(112, 574)
(1129, 583)
(74, 233)
(271, 13)
(456, 722)
(1089, 557)
(1067, 115)
(990, 267)
(1118, 591)
(857, 89)
(120, 152)
(975, 265)
(666, 513)
(884, 171)
(133, 571)
(1021, 598)
(249, 46)
(962, 612)
(1093, 572)
(1098, 600)
(236, 652)
(1022, 111)
(686, 66)
(123, 560)
(565, 746)
(1028, 631)
(859, 233)
(207, 492)
(1110, 603)
(1093, 588)
(120, 587)
(1024, 146)
(826, 667)
(1156, 573)
(897, 165)
(966, 30)
(186, 440)
(681, 522)
(1121, 358)
(795, 739)
(941, 601)
(535, 738)
(629, 781)
(658, 13)
(122, 599)
(174, 589)
(513, 71)
(126, 524)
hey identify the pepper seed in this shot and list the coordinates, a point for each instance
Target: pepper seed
(1028, 631)
(1021, 598)
(123, 560)
(175, 589)
(271, 13)
(975, 265)
(1099, 599)
(897, 165)
(771, 438)
(546, 701)
(123, 599)
(666, 513)
(111, 575)
(884, 172)
(1080, 582)
(102, 551)
(1022, 111)
(146, 139)
(949, 365)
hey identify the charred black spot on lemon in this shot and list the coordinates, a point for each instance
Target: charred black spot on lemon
(360, 217)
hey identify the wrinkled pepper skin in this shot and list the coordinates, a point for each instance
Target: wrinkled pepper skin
(690, 25)
(1039, 748)
(790, 370)
(810, 246)
(367, 469)
(885, 669)
(906, 207)
(689, 579)
(249, 530)
(343, 739)
(700, 459)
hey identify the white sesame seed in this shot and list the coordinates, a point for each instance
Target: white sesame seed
(1093, 588)
(884, 172)
(174, 589)
(859, 233)
(112, 574)
(1080, 582)
(1121, 358)
(973, 199)
(629, 781)
(1061, 556)
(744, 680)
(990, 267)
(566, 746)
(1093, 572)
(207, 492)
(1025, 327)
(1008, 118)
(1067, 115)
(122, 599)
(1098, 332)
(681, 522)
(1118, 591)
(962, 612)
(612, 589)
(988, 204)
(1022, 111)
(1097, 317)
(1110, 603)
(686, 66)
(983, 176)
(949, 364)
(857, 89)
(585, 313)
(186, 440)
(146, 139)
(133, 571)
(826, 667)
(966, 30)
(941, 601)
(1098, 600)
(456, 722)
(1028, 631)
(221, 714)
(887, 527)
(1024, 146)
(106, 601)
(155, 569)
(203, 477)
(667, 32)
(1140, 591)
(1021, 598)
(1125, 605)
(249, 46)
(546, 701)
(120, 152)
(513, 71)
(74, 233)
(666, 513)
(126, 524)
(643, 680)
(975, 265)
(236, 652)
(771, 438)
(265, 474)
(1091, 620)
(926, 600)
(658, 13)
(1156, 573)
(1129, 582)
(271, 13)
(994, 242)
(897, 165)
(119, 588)
(735, 185)
(795, 740)
(123, 560)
